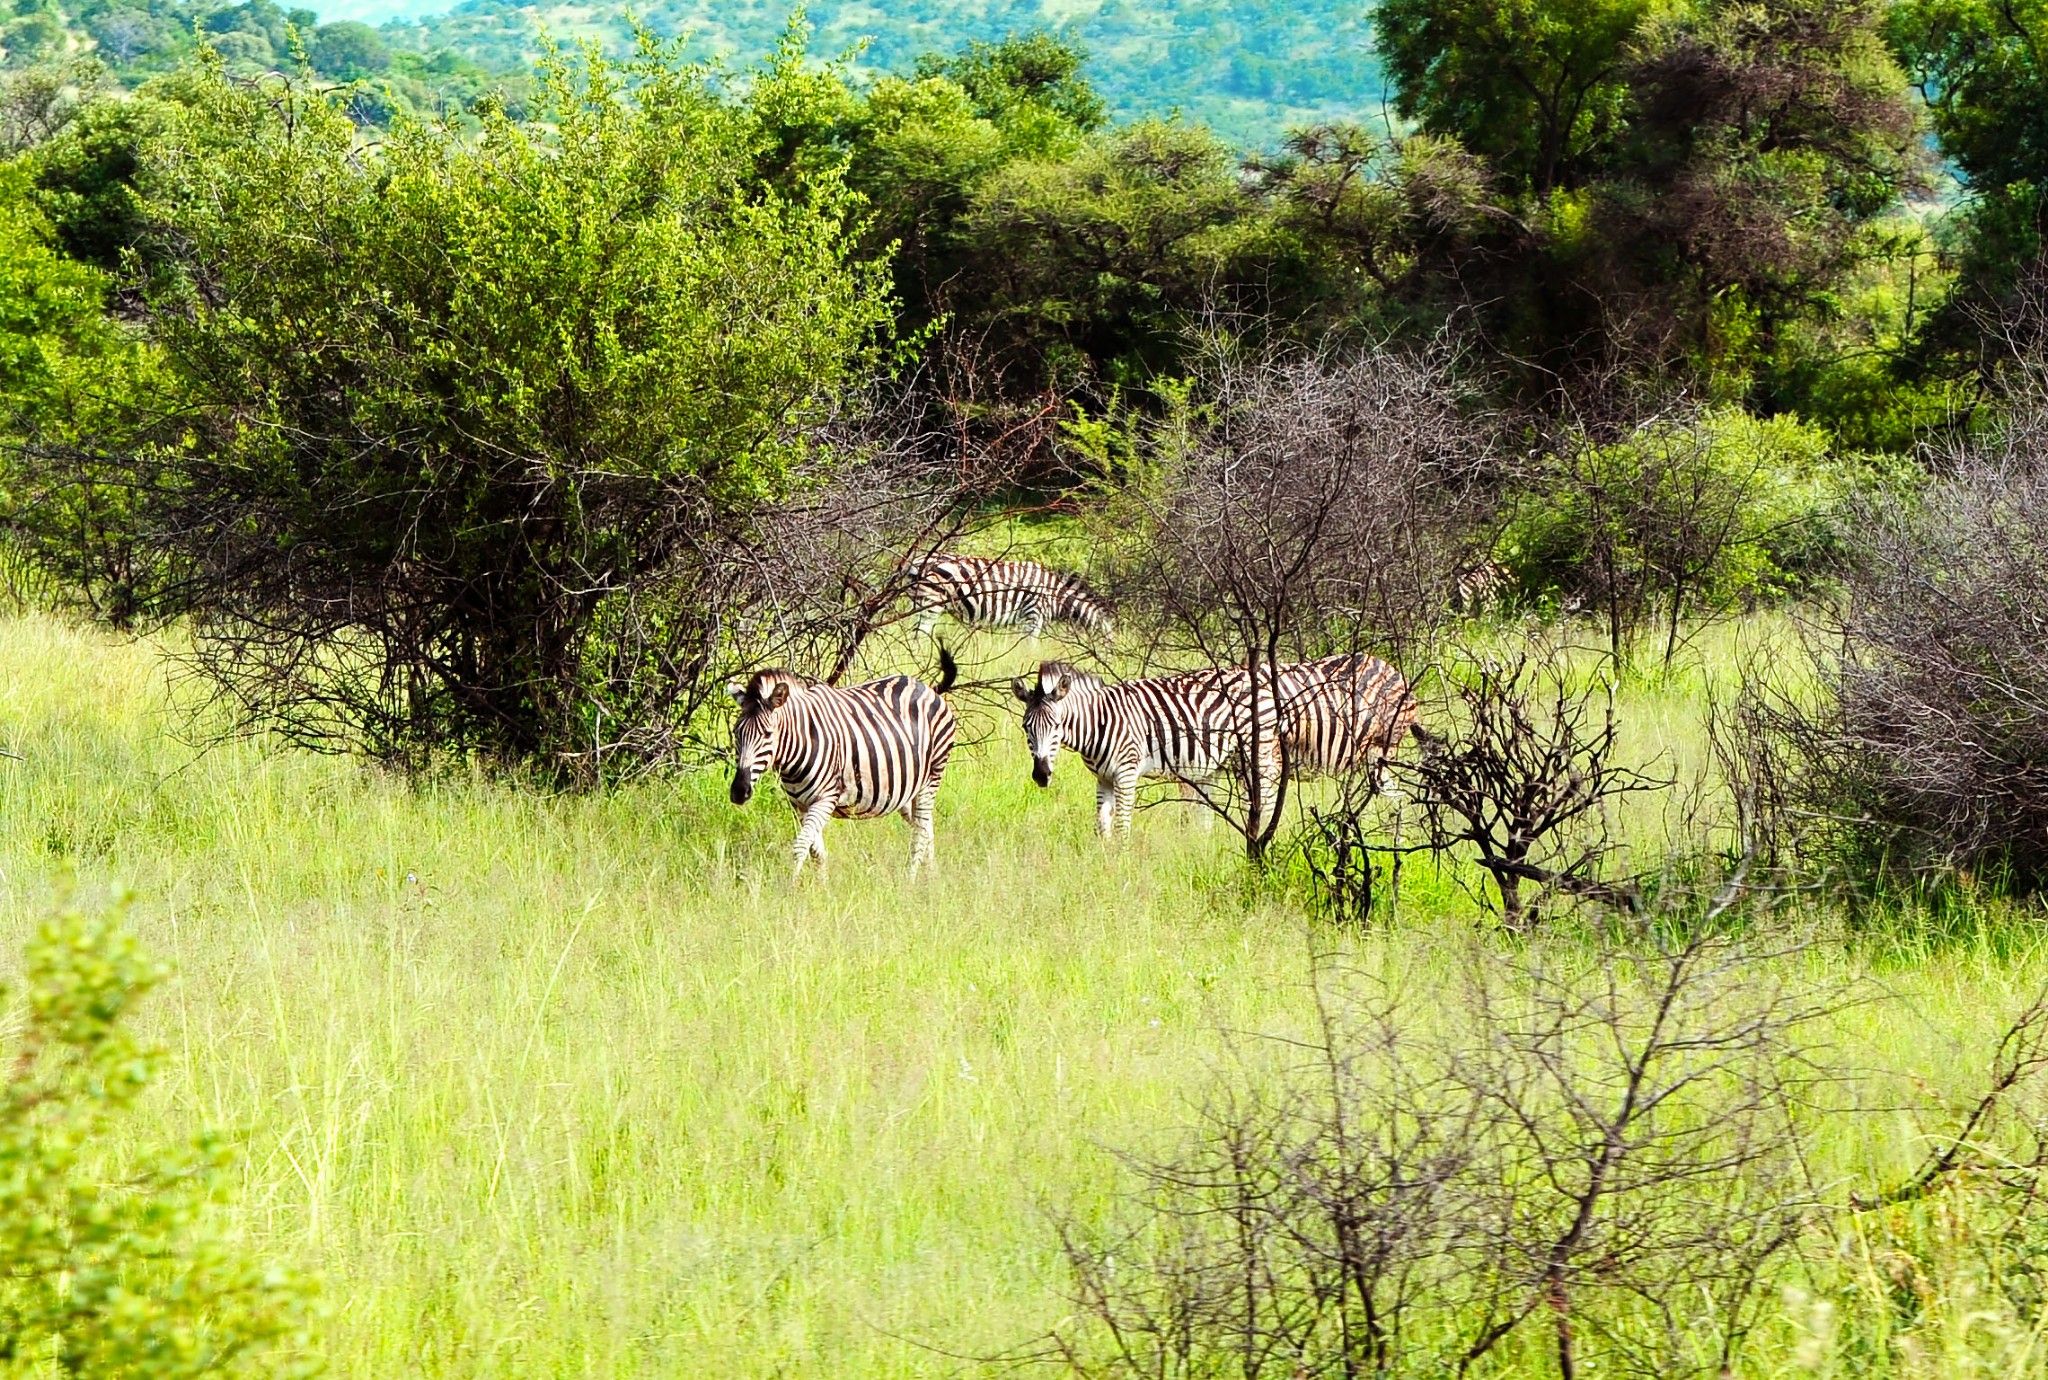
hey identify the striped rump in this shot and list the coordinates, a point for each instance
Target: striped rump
(1005, 594)
(1343, 712)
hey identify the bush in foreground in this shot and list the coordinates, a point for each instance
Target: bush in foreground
(1925, 750)
(114, 1262)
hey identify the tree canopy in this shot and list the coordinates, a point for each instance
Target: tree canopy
(439, 400)
(411, 406)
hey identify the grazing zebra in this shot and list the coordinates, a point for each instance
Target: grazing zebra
(1479, 586)
(858, 753)
(1343, 712)
(1187, 727)
(1005, 594)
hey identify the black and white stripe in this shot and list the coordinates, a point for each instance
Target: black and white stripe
(858, 752)
(1341, 713)
(1479, 587)
(1005, 594)
(1189, 728)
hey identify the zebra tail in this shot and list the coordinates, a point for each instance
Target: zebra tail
(949, 670)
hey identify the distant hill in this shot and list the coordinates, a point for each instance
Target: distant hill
(1249, 68)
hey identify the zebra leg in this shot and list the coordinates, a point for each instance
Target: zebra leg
(1192, 795)
(810, 837)
(1126, 801)
(920, 816)
(1105, 808)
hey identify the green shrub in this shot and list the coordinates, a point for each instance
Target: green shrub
(116, 1263)
(433, 410)
(1682, 519)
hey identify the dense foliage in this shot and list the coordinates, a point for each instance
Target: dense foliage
(116, 1264)
(422, 413)
(457, 431)
(1679, 520)
(1609, 195)
(1979, 66)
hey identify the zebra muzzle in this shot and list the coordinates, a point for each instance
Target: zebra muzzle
(1041, 771)
(742, 788)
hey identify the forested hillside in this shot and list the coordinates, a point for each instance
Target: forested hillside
(1245, 67)
(1248, 69)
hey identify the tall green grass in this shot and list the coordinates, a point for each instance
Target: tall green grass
(553, 1085)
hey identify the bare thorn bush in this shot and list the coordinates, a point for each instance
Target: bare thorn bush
(1593, 1158)
(1922, 750)
(1290, 506)
(1525, 776)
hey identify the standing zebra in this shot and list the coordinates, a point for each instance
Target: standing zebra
(1343, 712)
(1187, 727)
(858, 753)
(1005, 594)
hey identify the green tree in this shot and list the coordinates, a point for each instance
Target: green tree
(85, 178)
(920, 149)
(34, 38)
(348, 50)
(67, 373)
(1538, 88)
(447, 402)
(117, 1263)
(1663, 189)
(1980, 65)
(1092, 263)
(1035, 76)
(50, 306)
(1679, 522)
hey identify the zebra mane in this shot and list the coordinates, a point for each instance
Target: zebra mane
(1077, 679)
(763, 680)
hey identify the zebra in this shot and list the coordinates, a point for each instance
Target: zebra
(996, 593)
(1479, 586)
(859, 752)
(1188, 727)
(1343, 712)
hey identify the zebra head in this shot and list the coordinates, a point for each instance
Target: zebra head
(761, 702)
(1044, 719)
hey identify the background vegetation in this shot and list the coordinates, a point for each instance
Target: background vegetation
(545, 1082)
(398, 450)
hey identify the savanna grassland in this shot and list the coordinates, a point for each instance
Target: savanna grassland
(404, 453)
(559, 1085)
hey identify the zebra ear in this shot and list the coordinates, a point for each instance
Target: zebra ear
(1060, 690)
(1020, 690)
(781, 695)
(737, 689)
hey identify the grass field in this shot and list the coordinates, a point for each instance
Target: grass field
(582, 1086)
